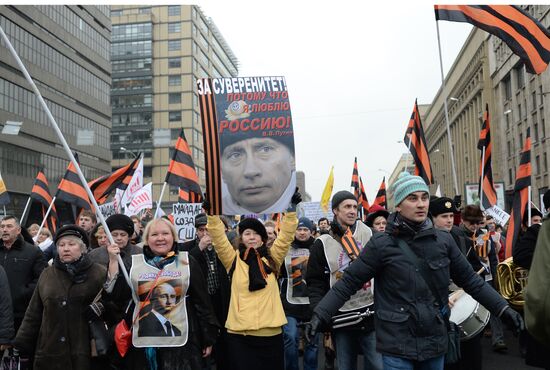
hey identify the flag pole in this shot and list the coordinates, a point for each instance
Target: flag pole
(5, 214)
(25, 210)
(529, 206)
(408, 155)
(481, 179)
(160, 200)
(69, 154)
(45, 218)
(446, 111)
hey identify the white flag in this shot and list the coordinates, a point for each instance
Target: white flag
(135, 184)
(142, 199)
(438, 192)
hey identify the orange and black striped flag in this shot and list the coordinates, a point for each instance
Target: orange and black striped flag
(525, 36)
(181, 171)
(355, 180)
(119, 179)
(71, 190)
(416, 142)
(521, 195)
(381, 195)
(189, 197)
(362, 200)
(211, 143)
(487, 193)
(41, 193)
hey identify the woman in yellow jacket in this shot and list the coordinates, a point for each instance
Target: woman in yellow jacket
(256, 316)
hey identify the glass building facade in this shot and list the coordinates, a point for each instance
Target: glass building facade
(66, 51)
(157, 54)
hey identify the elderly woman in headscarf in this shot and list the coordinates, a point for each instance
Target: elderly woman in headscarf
(173, 323)
(55, 327)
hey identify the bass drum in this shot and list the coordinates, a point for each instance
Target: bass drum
(469, 315)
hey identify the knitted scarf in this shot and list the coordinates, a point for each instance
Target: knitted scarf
(76, 269)
(258, 270)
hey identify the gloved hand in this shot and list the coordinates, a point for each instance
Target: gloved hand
(513, 320)
(295, 200)
(457, 200)
(94, 311)
(313, 327)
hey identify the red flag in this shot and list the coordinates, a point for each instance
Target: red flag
(489, 196)
(419, 150)
(381, 195)
(525, 36)
(521, 196)
(119, 179)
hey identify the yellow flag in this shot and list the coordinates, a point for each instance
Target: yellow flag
(328, 191)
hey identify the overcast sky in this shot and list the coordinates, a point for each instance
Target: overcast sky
(353, 70)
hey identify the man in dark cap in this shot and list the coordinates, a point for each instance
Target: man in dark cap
(411, 313)
(295, 298)
(442, 211)
(330, 255)
(217, 281)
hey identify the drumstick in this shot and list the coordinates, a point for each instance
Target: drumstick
(456, 295)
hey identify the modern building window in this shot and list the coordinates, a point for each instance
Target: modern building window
(536, 131)
(146, 10)
(545, 162)
(147, 171)
(537, 169)
(174, 98)
(174, 62)
(174, 116)
(174, 45)
(132, 31)
(174, 10)
(116, 13)
(175, 133)
(174, 80)
(510, 176)
(174, 27)
(509, 149)
(519, 111)
(543, 128)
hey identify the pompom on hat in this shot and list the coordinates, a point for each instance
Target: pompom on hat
(407, 184)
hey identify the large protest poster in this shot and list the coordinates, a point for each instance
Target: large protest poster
(249, 144)
(472, 194)
(184, 219)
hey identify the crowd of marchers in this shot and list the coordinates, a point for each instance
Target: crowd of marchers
(261, 294)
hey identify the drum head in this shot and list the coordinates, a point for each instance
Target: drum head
(463, 308)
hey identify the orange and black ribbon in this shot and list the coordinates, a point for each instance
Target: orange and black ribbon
(350, 245)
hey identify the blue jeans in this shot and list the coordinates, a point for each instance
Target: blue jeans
(350, 343)
(398, 363)
(291, 337)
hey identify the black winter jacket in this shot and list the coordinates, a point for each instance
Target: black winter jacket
(298, 311)
(220, 301)
(466, 247)
(524, 249)
(6, 310)
(408, 319)
(23, 263)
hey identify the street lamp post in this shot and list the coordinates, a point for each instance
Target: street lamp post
(123, 149)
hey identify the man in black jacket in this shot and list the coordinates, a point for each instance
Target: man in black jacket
(6, 312)
(217, 281)
(411, 328)
(330, 256)
(23, 263)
